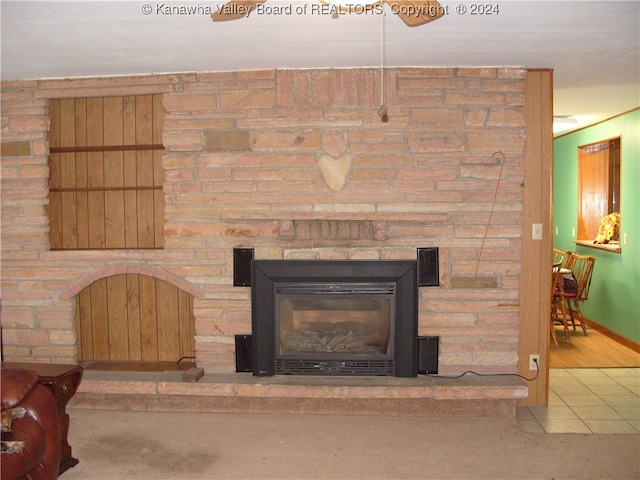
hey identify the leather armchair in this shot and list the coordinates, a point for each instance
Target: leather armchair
(39, 429)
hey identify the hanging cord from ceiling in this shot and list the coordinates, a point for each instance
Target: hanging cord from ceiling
(498, 157)
(382, 111)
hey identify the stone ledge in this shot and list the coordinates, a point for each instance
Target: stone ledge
(423, 407)
(242, 392)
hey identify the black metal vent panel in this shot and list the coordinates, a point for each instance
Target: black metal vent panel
(335, 367)
(335, 288)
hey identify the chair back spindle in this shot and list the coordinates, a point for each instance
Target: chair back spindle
(561, 256)
(558, 313)
(582, 268)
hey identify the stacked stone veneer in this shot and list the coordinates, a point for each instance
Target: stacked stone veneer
(297, 164)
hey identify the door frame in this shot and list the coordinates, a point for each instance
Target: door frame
(535, 275)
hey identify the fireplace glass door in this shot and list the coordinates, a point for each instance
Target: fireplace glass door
(329, 328)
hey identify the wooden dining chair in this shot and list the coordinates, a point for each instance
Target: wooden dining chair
(581, 267)
(560, 256)
(558, 302)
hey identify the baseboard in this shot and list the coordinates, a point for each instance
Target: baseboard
(613, 335)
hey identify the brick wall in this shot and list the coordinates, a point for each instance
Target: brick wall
(297, 164)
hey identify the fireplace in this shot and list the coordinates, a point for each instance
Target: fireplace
(334, 317)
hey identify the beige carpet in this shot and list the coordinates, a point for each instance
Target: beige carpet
(133, 445)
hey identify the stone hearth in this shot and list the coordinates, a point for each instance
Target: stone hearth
(486, 396)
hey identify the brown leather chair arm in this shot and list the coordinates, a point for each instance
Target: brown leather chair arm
(19, 464)
(16, 384)
(39, 428)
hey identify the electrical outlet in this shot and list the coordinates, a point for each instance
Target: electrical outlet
(533, 360)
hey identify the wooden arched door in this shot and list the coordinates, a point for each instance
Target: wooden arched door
(134, 318)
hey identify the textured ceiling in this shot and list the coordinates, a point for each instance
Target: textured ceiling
(593, 46)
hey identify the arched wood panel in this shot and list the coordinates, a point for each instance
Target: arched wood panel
(134, 318)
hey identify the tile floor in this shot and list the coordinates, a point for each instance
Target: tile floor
(587, 400)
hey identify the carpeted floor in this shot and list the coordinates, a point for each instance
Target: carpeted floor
(158, 446)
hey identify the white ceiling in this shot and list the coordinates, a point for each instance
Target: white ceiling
(592, 46)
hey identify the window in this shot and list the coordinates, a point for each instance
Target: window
(598, 189)
(105, 173)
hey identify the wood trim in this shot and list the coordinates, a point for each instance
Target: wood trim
(535, 276)
(106, 148)
(599, 122)
(105, 189)
(613, 335)
(609, 247)
(110, 249)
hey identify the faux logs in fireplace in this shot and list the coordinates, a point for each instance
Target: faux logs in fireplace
(334, 317)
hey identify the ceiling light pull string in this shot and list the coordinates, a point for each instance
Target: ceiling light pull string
(382, 58)
(382, 111)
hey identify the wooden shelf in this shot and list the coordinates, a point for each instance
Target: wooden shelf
(609, 247)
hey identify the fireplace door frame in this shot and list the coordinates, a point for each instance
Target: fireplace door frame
(265, 274)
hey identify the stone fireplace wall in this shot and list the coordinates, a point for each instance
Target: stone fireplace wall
(297, 164)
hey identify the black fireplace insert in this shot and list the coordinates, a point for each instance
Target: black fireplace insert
(334, 317)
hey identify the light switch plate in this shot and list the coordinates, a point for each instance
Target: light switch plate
(536, 231)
